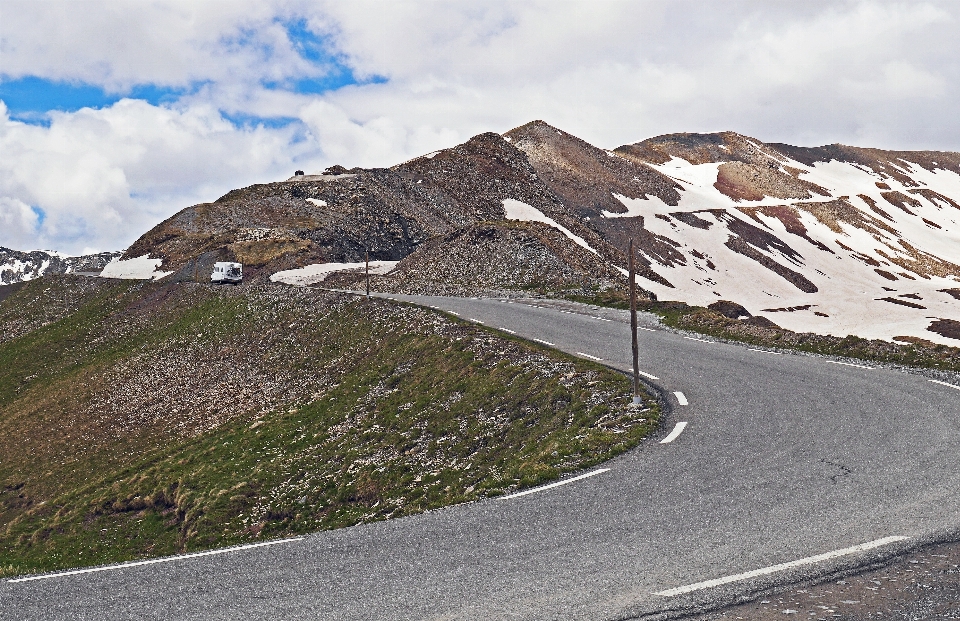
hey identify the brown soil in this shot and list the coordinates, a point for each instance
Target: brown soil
(946, 327)
(902, 303)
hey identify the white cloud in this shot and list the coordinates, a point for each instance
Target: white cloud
(18, 223)
(874, 73)
(173, 43)
(102, 177)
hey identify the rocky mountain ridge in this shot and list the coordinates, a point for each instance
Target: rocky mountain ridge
(834, 240)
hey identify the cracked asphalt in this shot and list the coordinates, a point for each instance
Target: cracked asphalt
(784, 457)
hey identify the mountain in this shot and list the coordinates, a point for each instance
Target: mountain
(17, 266)
(834, 240)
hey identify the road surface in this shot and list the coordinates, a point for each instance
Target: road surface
(768, 468)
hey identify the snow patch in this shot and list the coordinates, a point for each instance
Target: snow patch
(318, 272)
(517, 210)
(140, 268)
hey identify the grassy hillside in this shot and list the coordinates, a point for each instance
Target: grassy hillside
(141, 419)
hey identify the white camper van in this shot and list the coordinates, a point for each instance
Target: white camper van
(227, 273)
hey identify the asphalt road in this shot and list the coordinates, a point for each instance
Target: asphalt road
(783, 458)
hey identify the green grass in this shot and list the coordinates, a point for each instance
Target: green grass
(414, 411)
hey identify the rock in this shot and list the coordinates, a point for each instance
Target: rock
(729, 309)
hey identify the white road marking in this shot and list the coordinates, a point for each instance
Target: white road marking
(580, 353)
(945, 384)
(764, 351)
(681, 398)
(652, 330)
(154, 561)
(647, 375)
(674, 434)
(690, 338)
(557, 484)
(508, 330)
(454, 313)
(602, 319)
(475, 320)
(544, 342)
(781, 567)
(848, 364)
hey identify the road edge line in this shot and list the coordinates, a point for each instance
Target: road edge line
(810, 560)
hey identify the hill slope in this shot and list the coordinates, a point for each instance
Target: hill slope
(148, 418)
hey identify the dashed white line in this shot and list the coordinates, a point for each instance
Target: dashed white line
(508, 330)
(544, 342)
(674, 434)
(849, 364)
(580, 353)
(681, 398)
(810, 560)
(602, 319)
(154, 561)
(652, 330)
(945, 384)
(475, 320)
(764, 351)
(690, 338)
(454, 313)
(557, 484)
(647, 375)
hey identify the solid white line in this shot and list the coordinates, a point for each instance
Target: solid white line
(647, 375)
(580, 353)
(681, 398)
(945, 384)
(557, 484)
(674, 434)
(690, 338)
(153, 561)
(764, 351)
(544, 342)
(848, 364)
(781, 567)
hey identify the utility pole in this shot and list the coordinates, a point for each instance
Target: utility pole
(368, 273)
(633, 328)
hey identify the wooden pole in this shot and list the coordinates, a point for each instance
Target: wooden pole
(368, 274)
(633, 327)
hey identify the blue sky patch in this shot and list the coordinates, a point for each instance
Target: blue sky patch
(319, 51)
(29, 97)
(240, 119)
(41, 215)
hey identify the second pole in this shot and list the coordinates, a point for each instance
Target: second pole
(633, 328)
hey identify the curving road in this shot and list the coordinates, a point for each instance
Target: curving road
(789, 466)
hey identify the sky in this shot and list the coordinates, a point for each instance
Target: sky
(115, 115)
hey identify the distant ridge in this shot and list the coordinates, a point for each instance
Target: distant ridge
(17, 266)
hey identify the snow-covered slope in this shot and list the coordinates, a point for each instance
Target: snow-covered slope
(17, 266)
(837, 241)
